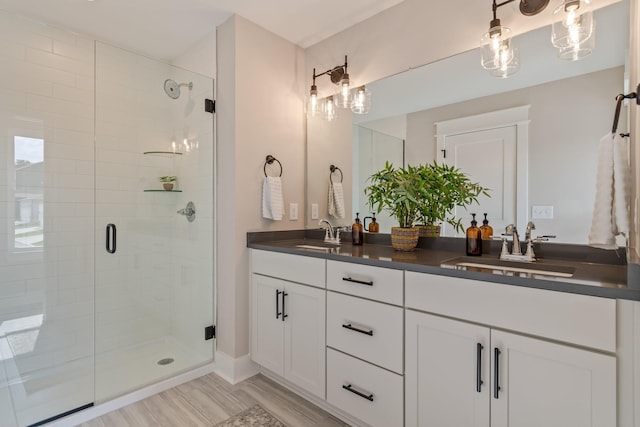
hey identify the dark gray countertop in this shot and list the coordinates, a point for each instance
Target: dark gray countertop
(597, 272)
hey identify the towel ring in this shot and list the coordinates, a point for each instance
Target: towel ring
(334, 168)
(269, 161)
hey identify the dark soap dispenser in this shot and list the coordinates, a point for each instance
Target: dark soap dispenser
(357, 232)
(474, 238)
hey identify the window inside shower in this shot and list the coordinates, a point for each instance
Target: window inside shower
(28, 231)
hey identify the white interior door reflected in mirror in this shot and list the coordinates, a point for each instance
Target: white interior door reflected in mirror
(492, 149)
(489, 158)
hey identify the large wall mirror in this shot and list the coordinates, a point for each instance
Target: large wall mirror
(569, 107)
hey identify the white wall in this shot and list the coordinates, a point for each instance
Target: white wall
(260, 112)
(201, 57)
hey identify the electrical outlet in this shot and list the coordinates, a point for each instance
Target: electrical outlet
(293, 211)
(314, 211)
(541, 212)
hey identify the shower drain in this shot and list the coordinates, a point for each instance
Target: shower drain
(165, 361)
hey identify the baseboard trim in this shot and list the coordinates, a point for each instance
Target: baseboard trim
(234, 370)
(122, 401)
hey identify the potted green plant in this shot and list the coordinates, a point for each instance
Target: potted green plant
(423, 193)
(167, 182)
(447, 187)
(399, 192)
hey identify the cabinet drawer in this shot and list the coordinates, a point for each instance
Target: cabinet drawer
(577, 319)
(377, 283)
(367, 392)
(366, 329)
(295, 268)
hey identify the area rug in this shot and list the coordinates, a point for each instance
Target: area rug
(255, 416)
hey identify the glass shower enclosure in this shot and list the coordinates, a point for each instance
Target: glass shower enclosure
(106, 278)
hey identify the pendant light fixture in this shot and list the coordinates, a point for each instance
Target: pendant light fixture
(497, 52)
(573, 29)
(358, 100)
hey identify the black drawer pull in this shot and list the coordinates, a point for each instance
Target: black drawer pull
(284, 311)
(496, 376)
(278, 313)
(111, 239)
(479, 367)
(361, 282)
(348, 387)
(362, 331)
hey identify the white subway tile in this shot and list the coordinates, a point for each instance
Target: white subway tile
(48, 59)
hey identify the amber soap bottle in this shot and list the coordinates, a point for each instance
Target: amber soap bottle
(374, 227)
(485, 229)
(357, 232)
(474, 238)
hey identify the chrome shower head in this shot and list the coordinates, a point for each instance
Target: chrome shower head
(173, 89)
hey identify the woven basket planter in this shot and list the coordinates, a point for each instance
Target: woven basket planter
(404, 239)
(428, 230)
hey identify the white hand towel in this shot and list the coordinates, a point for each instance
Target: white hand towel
(611, 208)
(336, 199)
(621, 185)
(272, 201)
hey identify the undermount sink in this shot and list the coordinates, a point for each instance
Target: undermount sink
(320, 246)
(509, 268)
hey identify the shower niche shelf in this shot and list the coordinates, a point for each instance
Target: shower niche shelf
(162, 191)
(163, 153)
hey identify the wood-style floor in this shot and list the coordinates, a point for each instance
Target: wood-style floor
(208, 400)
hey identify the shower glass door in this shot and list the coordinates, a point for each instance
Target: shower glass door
(154, 267)
(46, 222)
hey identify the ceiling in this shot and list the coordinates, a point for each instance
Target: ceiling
(165, 29)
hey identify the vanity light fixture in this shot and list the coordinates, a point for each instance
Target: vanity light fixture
(497, 52)
(359, 99)
(573, 29)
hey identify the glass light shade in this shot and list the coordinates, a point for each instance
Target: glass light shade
(342, 97)
(361, 100)
(313, 104)
(329, 110)
(496, 51)
(573, 24)
(509, 68)
(579, 50)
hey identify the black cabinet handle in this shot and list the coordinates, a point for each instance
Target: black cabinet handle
(368, 396)
(479, 383)
(110, 243)
(278, 313)
(284, 314)
(362, 331)
(361, 282)
(496, 376)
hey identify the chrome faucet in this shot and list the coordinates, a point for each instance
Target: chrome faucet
(530, 226)
(515, 249)
(331, 235)
(516, 253)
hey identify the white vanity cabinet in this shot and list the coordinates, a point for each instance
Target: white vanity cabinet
(365, 342)
(461, 373)
(288, 318)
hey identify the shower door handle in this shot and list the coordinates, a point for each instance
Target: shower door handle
(111, 238)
